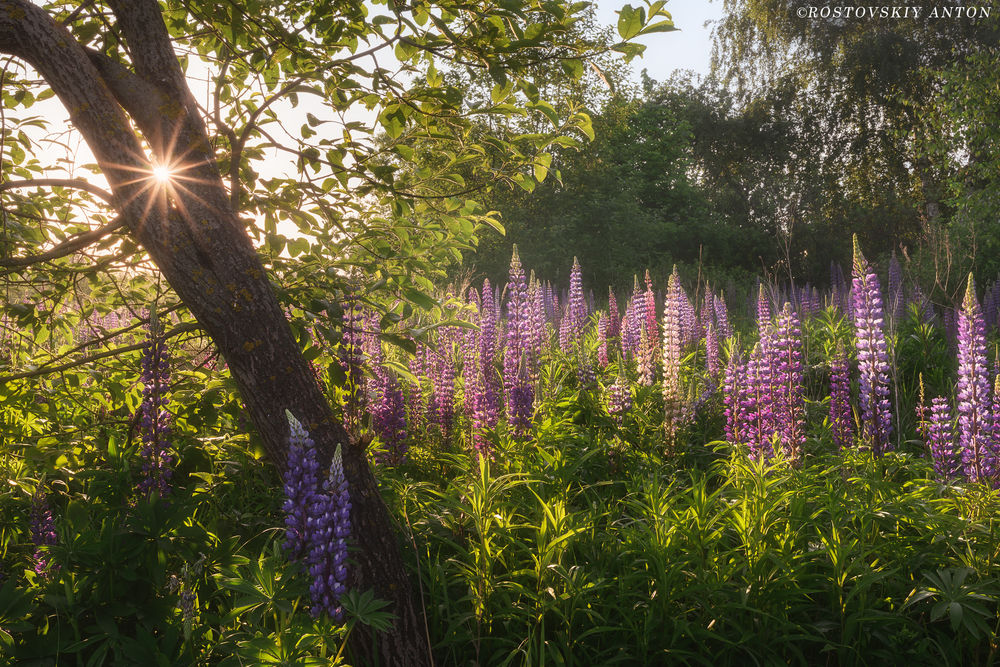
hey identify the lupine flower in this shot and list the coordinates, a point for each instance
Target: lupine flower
(645, 358)
(43, 531)
(635, 314)
(443, 400)
(602, 340)
(722, 315)
(712, 366)
(790, 405)
(352, 343)
(758, 403)
(734, 395)
(486, 402)
(973, 392)
(841, 420)
(577, 307)
(301, 480)
(672, 341)
(518, 390)
(614, 324)
(619, 399)
(651, 323)
(947, 461)
(416, 404)
(386, 404)
(331, 516)
(873, 357)
(154, 420)
(566, 332)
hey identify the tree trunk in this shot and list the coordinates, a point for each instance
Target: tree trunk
(194, 236)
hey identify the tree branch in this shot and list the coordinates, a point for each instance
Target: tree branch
(67, 247)
(46, 370)
(77, 183)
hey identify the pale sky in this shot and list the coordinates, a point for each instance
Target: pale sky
(690, 47)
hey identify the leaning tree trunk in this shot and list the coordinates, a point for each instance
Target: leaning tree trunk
(191, 231)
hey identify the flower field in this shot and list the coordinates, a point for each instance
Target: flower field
(752, 474)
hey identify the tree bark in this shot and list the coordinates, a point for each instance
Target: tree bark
(193, 234)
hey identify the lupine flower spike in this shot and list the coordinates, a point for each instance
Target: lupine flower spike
(154, 420)
(328, 549)
(975, 433)
(301, 480)
(873, 357)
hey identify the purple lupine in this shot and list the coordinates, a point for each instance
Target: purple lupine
(301, 486)
(536, 326)
(43, 531)
(577, 307)
(690, 331)
(416, 403)
(386, 404)
(645, 358)
(722, 315)
(618, 398)
(841, 420)
(352, 341)
(734, 393)
(947, 461)
(602, 340)
(154, 420)
(443, 397)
(672, 342)
(518, 390)
(613, 321)
(566, 332)
(631, 329)
(481, 381)
(331, 518)
(974, 433)
(712, 365)
(758, 403)
(389, 416)
(789, 402)
(651, 323)
(873, 357)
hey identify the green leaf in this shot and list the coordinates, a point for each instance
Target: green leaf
(630, 21)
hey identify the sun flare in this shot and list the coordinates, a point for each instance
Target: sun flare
(161, 174)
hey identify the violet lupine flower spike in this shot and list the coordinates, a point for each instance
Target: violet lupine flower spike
(619, 397)
(841, 420)
(873, 357)
(672, 341)
(734, 395)
(154, 420)
(301, 479)
(43, 530)
(486, 401)
(614, 323)
(790, 404)
(975, 433)
(518, 390)
(331, 515)
(947, 461)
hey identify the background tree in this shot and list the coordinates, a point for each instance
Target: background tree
(854, 99)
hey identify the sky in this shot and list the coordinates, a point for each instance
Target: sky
(690, 47)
